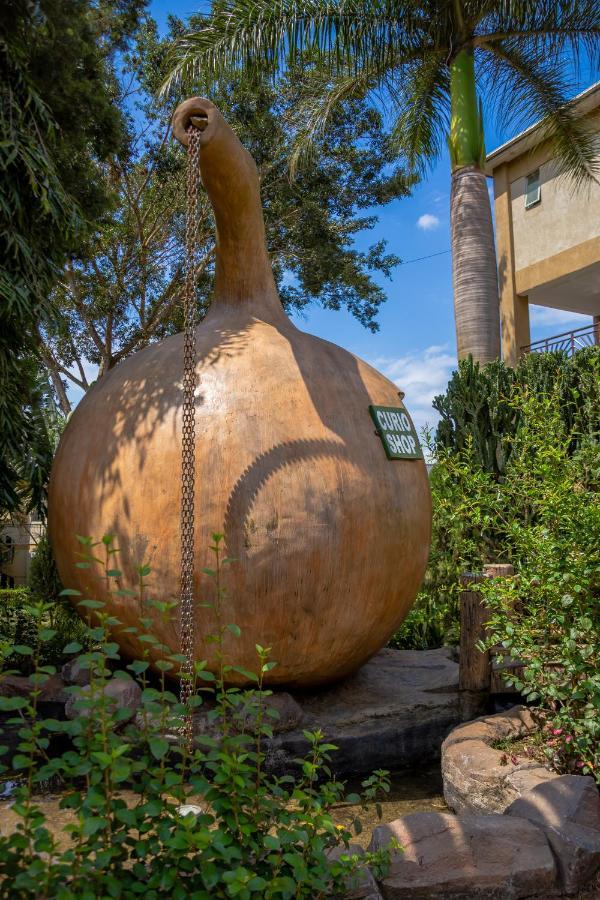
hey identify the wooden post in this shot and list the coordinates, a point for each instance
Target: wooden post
(475, 666)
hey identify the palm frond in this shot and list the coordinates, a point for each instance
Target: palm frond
(423, 110)
(526, 86)
(342, 33)
(321, 96)
(556, 29)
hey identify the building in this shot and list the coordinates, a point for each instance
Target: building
(18, 542)
(547, 233)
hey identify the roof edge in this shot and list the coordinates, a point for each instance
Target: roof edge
(584, 102)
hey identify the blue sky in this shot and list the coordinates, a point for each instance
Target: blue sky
(416, 344)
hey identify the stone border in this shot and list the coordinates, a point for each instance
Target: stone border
(478, 778)
(520, 832)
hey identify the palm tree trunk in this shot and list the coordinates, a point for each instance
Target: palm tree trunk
(474, 273)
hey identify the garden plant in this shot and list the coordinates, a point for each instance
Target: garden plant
(542, 515)
(151, 813)
(481, 416)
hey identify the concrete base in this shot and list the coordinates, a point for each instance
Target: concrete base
(394, 712)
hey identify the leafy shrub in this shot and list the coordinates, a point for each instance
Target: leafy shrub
(257, 836)
(477, 408)
(548, 615)
(16, 624)
(19, 625)
(481, 417)
(543, 516)
(44, 580)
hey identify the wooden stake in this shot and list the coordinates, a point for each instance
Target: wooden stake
(475, 668)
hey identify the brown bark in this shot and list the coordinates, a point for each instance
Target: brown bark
(474, 274)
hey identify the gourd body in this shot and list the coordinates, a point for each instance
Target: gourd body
(329, 538)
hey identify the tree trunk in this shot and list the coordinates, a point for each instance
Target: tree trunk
(474, 273)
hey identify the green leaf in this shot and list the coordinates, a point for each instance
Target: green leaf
(251, 676)
(163, 665)
(69, 592)
(138, 666)
(93, 824)
(159, 747)
(234, 629)
(73, 647)
(204, 675)
(46, 634)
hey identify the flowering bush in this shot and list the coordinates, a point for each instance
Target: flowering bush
(127, 781)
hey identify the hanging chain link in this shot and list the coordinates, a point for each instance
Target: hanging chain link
(188, 442)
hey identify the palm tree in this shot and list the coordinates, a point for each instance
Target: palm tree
(427, 62)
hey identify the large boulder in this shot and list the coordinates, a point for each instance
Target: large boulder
(122, 694)
(76, 671)
(394, 712)
(465, 857)
(568, 810)
(52, 688)
(481, 779)
(14, 686)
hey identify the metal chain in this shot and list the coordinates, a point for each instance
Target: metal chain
(188, 441)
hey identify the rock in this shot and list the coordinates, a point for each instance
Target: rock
(52, 690)
(465, 857)
(363, 886)
(395, 711)
(124, 693)
(289, 713)
(479, 779)
(568, 810)
(76, 671)
(513, 723)
(14, 686)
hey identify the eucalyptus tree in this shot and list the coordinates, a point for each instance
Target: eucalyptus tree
(431, 64)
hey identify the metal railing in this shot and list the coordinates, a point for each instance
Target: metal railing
(569, 341)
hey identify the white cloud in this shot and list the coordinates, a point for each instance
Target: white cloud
(428, 222)
(547, 315)
(421, 375)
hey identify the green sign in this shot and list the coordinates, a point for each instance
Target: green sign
(397, 432)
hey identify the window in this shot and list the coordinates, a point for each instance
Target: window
(533, 190)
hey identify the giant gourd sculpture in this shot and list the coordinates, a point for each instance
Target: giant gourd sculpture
(329, 535)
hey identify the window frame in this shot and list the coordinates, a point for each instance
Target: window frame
(529, 179)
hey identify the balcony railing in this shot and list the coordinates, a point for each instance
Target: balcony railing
(568, 341)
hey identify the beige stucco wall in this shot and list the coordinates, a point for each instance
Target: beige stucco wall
(555, 240)
(563, 219)
(23, 541)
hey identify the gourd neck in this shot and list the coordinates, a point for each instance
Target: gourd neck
(243, 273)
